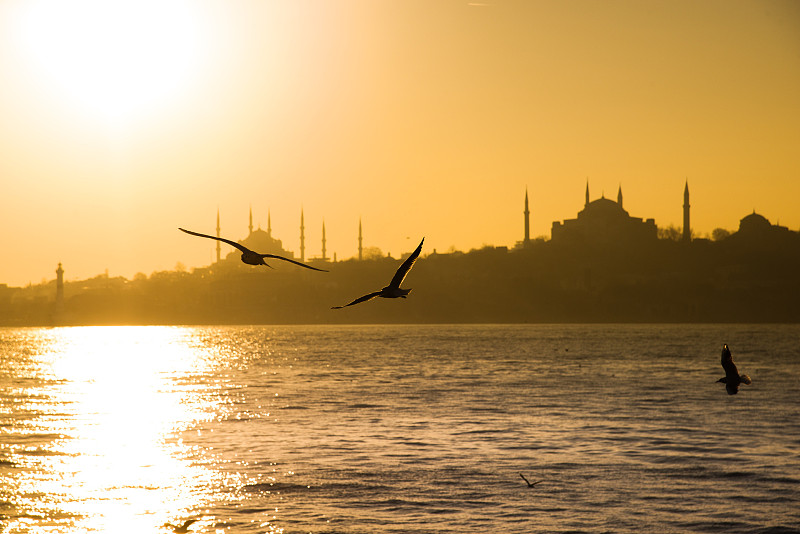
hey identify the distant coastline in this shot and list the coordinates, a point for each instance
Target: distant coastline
(604, 266)
(743, 278)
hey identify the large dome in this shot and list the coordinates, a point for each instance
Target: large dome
(603, 207)
(754, 221)
(263, 242)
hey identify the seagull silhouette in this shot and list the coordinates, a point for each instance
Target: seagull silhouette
(183, 529)
(248, 256)
(732, 378)
(530, 484)
(392, 291)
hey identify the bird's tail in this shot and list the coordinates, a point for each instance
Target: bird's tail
(745, 379)
(265, 263)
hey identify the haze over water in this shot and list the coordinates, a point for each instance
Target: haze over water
(355, 429)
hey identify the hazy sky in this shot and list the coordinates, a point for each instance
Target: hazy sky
(121, 121)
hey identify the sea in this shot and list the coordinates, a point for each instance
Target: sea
(399, 429)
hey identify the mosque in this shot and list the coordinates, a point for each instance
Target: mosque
(263, 242)
(605, 222)
(756, 232)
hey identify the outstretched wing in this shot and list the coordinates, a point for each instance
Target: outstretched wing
(529, 483)
(358, 300)
(228, 241)
(401, 273)
(186, 525)
(727, 363)
(291, 261)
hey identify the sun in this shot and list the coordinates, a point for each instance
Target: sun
(117, 60)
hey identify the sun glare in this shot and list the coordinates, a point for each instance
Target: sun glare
(118, 60)
(122, 398)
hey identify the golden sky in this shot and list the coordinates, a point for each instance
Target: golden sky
(121, 121)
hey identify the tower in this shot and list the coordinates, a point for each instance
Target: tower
(687, 229)
(587, 193)
(219, 250)
(59, 285)
(302, 237)
(360, 241)
(619, 196)
(527, 220)
(323, 240)
(250, 227)
(269, 223)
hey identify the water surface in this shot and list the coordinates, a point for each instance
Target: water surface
(419, 429)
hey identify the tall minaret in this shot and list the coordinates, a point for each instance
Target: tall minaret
(302, 237)
(619, 196)
(250, 228)
(527, 220)
(360, 241)
(324, 257)
(269, 223)
(587, 193)
(687, 229)
(219, 250)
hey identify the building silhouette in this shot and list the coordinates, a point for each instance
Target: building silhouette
(602, 266)
(264, 242)
(687, 229)
(756, 232)
(604, 222)
(59, 287)
(527, 213)
(257, 239)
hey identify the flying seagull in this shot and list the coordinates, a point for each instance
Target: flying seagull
(183, 528)
(732, 378)
(248, 256)
(530, 484)
(392, 291)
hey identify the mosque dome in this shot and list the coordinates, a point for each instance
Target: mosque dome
(603, 208)
(754, 222)
(264, 242)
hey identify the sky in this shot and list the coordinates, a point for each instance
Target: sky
(120, 122)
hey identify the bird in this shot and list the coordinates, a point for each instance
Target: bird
(392, 291)
(250, 257)
(530, 484)
(183, 529)
(732, 378)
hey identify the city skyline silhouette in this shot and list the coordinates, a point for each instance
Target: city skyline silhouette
(604, 265)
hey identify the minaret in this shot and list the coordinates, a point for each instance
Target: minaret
(302, 237)
(619, 196)
(269, 223)
(587, 193)
(219, 250)
(360, 241)
(687, 229)
(527, 220)
(59, 286)
(250, 227)
(324, 257)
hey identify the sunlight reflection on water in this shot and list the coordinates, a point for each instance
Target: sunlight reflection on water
(398, 428)
(108, 398)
